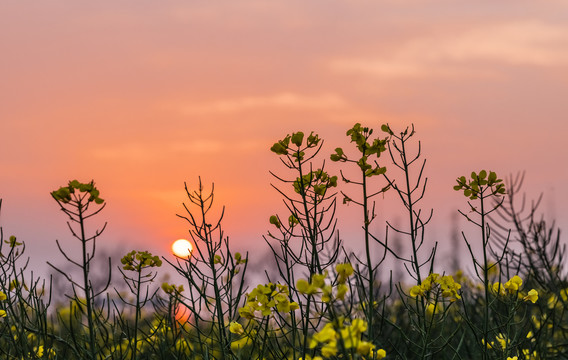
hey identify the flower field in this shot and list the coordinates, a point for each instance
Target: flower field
(322, 301)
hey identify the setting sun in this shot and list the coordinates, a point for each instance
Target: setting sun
(182, 248)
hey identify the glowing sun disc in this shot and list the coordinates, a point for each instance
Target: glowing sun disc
(182, 248)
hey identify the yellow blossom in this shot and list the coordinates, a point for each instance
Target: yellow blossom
(365, 348)
(241, 343)
(432, 309)
(326, 334)
(343, 272)
(380, 354)
(415, 291)
(39, 351)
(329, 349)
(341, 291)
(513, 284)
(318, 280)
(499, 289)
(531, 296)
(236, 328)
(502, 340)
(305, 287)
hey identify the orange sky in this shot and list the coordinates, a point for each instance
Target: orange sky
(142, 96)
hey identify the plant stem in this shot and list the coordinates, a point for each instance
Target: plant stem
(87, 287)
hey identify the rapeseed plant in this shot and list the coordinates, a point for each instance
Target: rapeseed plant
(323, 302)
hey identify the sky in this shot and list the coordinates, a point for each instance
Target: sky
(143, 96)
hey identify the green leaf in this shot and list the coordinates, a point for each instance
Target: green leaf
(279, 149)
(297, 138)
(338, 156)
(274, 221)
(313, 140)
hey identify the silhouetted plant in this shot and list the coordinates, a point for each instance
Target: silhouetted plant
(215, 279)
(80, 202)
(324, 302)
(304, 237)
(367, 290)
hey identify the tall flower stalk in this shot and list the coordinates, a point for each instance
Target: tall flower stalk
(80, 202)
(482, 186)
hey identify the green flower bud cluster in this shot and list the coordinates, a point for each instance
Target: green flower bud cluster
(172, 289)
(12, 242)
(266, 298)
(282, 147)
(472, 188)
(239, 259)
(138, 260)
(360, 136)
(319, 180)
(275, 221)
(63, 194)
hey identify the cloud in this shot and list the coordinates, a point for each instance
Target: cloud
(285, 100)
(143, 152)
(130, 152)
(530, 43)
(196, 146)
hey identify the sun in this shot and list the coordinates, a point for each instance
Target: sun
(182, 248)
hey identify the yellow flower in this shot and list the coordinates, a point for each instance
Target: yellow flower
(359, 325)
(241, 343)
(39, 351)
(513, 284)
(329, 349)
(432, 309)
(552, 301)
(365, 348)
(247, 312)
(449, 287)
(343, 272)
(327, 334)
(236, 328)
(415, 291)
(564, 294)
(528, 355)
(379, 354)
(2, 313)
(531, 296)
(305, 287)
(499, 289)
(502, 340)
(326, 297)
(2, 296)
(512, 358)
(318, 280)
(341, 291)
